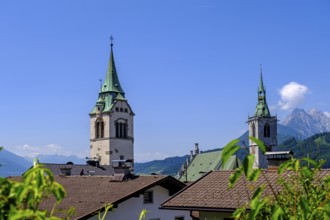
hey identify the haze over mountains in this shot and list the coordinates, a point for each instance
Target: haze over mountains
(299, 124)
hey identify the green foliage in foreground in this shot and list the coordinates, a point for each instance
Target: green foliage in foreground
(304, 193)
(21, 200)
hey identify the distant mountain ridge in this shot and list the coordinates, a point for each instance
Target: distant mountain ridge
(297, 126)
(167, 166)
(12, 164)
(57, 158)
(306, 124)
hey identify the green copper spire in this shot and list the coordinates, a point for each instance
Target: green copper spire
(262, 107)
(111, 82)
(261, 86)
(110, 88)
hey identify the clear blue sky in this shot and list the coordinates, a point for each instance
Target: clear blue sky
(190, 69)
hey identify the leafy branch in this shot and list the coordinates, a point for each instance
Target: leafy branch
(303, 188)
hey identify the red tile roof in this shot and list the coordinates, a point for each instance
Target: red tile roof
(211, 192)
(89, 194)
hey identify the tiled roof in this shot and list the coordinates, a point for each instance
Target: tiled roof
(206, 162)
(89, 194)
(76, 169)
(211, 192)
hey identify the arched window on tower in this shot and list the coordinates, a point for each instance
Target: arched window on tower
(102, 129)
(121, 128)
(99, 128)
(266, 130)
(253, 130)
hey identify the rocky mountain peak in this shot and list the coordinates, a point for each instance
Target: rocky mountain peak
(308, 123)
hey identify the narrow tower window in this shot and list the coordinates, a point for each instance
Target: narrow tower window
(102, 129)
(253, 130)
(99, 128)
(121, 128)
(267, 130)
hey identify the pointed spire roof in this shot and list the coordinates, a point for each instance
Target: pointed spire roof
(111, 90)
(261, 86)
(111, 82)
(262, 107)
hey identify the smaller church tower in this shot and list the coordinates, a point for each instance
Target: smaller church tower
(111, 121)
(262, 126)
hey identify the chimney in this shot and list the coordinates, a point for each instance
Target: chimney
(66, 170)
(123, 167)
(276, 158)
(93, 161)
(196, 148)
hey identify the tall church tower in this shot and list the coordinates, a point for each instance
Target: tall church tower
(262, 126)
(111, 121)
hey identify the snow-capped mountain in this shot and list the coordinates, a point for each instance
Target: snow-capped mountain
(307, 123)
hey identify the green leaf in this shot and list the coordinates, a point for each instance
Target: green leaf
(254, 175)
(255, 212)
(260, 144)
(307, 172)
(143, 214)
(248, 164)
(296, 165)
(277, 211)
(327, 211)
(256, 196)
(239, 212)
(256, 203)
(233, 178)
(229, 150)
(310, 161)
(284, 166)
(305, 207)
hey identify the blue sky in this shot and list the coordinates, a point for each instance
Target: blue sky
(190, 69)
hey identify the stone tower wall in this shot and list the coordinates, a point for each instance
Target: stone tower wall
(270, 142)
(110, 147)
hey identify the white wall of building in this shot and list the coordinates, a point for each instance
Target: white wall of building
(214, 215)
(131, 208)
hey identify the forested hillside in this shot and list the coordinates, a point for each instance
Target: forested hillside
(316, 147)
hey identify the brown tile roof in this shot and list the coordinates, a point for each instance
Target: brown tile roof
(88, 194)
(211, 192)
(76, 169)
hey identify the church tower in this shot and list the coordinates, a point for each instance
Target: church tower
(111, 121)
(262, 126)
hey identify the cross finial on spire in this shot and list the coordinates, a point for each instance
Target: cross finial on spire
(111, 40)
(260, 68)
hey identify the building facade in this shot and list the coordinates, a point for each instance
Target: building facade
(262, 126)
(111, 121)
